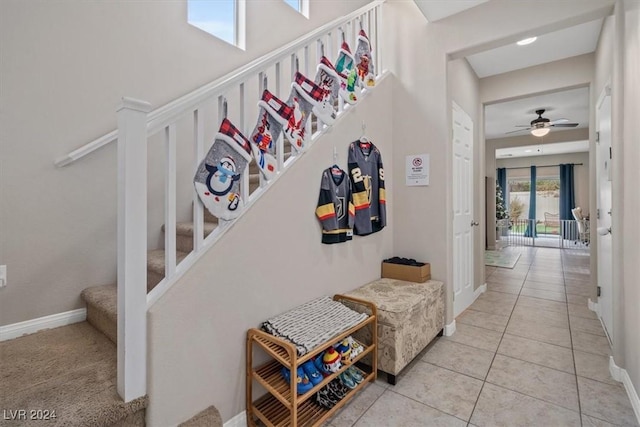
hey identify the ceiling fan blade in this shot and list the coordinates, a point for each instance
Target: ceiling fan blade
(514, 131)
(565, 125)
(553, 122)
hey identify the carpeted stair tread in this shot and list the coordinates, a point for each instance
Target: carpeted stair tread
(186, 228)
(210, 417)
(102, 309)
(70, 370)
(155, 260)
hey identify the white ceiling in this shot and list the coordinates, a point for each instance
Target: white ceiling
(553, 46)
(570, 104)
(435, 10)
(565, 43)
(543, 149)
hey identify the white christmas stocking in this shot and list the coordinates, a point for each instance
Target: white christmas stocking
(364, 61)
(346, 69)
(217, 180)
(328, 80)
(305, 97)
(273, 116)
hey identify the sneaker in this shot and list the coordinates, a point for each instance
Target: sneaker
(337, 388)
(326, 398)
(312, 372)
(304, 385)
(356, 347)
(355, 374)
(347, 380)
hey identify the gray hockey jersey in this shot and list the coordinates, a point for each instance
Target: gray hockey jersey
(335, 209)
(367, 179)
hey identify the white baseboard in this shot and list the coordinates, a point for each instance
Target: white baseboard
(481, 290)
(239, 420)
(594, 306)
(27, 327)
(450, 329)
(619, 374)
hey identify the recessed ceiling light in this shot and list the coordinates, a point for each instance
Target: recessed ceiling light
(528, 151)
(526, 41)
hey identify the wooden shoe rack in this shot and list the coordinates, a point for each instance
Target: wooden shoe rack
(280, 407)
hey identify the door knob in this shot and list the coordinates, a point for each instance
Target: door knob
(474, 223)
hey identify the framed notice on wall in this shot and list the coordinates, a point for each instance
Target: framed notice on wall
(417, 167)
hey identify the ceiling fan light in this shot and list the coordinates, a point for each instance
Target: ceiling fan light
(540, 131)
(526, 41)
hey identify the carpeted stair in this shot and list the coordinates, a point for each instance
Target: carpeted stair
(210, 417)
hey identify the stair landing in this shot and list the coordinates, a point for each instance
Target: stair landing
(70, 370)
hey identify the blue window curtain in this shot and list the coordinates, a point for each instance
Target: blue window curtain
(501, 177)
(567, 195)
(531, 225)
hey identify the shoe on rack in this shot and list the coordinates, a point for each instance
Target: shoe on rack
(303, 384)
(319, 364)
(347, 380)
(312, 372)
(354, 374)
(345, 350)
(331, 360)
(356, 347)
(337, 388)
(326, 398)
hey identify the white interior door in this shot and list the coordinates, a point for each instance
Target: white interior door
(603, 214)
(463, 222)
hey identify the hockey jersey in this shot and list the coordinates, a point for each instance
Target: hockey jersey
(367, 179)
(335, 208)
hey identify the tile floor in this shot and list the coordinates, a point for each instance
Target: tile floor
(528, 352)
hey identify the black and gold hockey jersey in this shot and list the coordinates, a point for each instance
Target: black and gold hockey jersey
(367, 179)
(335, 206)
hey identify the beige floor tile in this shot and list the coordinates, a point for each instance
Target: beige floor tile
(498, 297)
(588, 421)
(393, 409)
(495, 322)
(473, 336)
(540, 277)
(581, 290)
(551, 356)
(540, 316)
(591, 326)
(496, 278)
(508, 273)
(442, 389)
(577, 299)
(492, 307)
(501, 287)
(537, 381)
(542, 294)
(460, 358)
(593, 366)
(540, 332)
(578, 310)
(499, 407)
(590, 343)
(606, 402)
(549, 305)
(357, 406)
(546, 272)
(543, 286)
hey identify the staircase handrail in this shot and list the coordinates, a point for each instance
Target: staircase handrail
(162, 116)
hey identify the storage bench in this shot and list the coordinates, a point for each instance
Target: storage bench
(410, 316)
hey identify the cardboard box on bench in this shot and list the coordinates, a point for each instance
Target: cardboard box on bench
(410, 273)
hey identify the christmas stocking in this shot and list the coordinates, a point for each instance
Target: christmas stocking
(217, 180)
(364, 62)
(328, 80)
(305, 97)
(346, 68)
(274, 115)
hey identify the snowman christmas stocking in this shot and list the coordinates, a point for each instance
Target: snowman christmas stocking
(305, 97)
(346, 69)
(273, 116)
(364, 62)
(217, 180)
(328, 80)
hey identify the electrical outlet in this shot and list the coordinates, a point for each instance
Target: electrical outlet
(3, 276)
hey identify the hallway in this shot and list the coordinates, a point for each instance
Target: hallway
(528, 352)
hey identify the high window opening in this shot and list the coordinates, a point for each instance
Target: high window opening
(301, 6)
(223, 19)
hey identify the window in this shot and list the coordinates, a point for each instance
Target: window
(223, 19)
(301, 6)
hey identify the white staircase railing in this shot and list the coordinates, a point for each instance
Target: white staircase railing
(136, 125)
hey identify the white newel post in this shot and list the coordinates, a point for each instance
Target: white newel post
(132, 248)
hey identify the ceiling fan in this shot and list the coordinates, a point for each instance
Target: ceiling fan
(541, 125)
